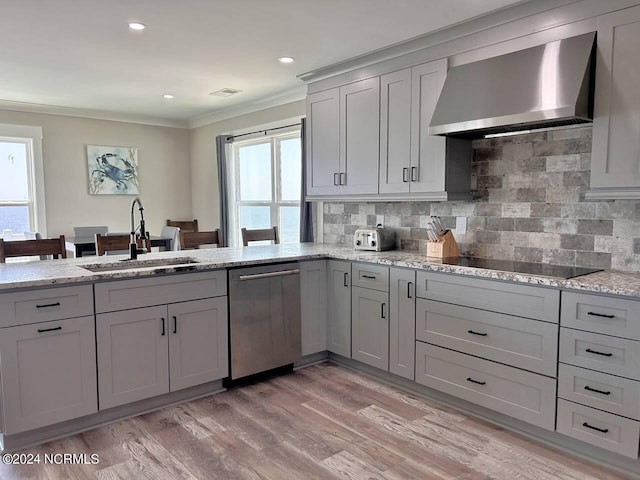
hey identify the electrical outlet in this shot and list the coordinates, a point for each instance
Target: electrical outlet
(379, 220)
(461, 225)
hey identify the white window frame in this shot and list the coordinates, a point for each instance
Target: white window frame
(31, 136)
(276, 201)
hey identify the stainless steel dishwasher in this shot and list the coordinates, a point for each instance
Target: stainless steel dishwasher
(264, 318)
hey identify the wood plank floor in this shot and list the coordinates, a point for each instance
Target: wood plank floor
(322, 422)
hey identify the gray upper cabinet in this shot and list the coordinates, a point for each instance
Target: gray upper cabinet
(339, 307)
(395, 132)
(615, 161)
(343, 139)
(359, 137)
(323, 144)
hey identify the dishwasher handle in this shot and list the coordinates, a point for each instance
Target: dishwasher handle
(280, 273)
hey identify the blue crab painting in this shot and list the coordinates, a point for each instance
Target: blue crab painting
(112, 170)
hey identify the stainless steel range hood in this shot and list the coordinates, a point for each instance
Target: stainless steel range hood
(544, 86)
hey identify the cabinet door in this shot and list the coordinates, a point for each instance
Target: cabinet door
(395, 131)
(48, 373)
(339, 308)
(313, 291)
(133, 355)
(402, 322)
(198, 342)
(370, 327)
(427, 151)
(359, 136)
(616, 125)
(323, 145)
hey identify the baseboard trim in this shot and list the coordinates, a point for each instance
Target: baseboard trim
(18, 441)
(585, 451)
(311, 360)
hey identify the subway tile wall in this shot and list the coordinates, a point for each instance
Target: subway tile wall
(528, 204)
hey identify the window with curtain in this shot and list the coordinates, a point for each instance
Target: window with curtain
(265, 185)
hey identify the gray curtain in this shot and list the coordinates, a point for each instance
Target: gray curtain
(221, 150)
(306, 211)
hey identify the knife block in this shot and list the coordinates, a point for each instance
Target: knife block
(444, 248)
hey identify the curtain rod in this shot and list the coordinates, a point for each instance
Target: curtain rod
(233, 137)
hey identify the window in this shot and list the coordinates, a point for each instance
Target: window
(266, 181)
(21, 180)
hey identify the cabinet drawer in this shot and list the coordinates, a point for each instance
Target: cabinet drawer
(145, 292)
(370, 276)
(612, 316)
(523, 395)
(516, 341)
(599, 390)
(602, 429)
(612, 355)
(521, 300)
(42, 305)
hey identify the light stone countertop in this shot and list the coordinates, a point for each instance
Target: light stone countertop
(27, 275)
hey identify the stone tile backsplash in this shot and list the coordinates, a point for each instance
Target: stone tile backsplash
(528, 204)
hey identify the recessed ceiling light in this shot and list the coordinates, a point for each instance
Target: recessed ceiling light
(137, 26)
(168, 96)
(286, 59)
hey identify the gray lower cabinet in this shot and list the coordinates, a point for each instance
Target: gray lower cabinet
(313, 292)
(145, 352)
(402, 322)
(339, 307)
(48, 373)
(370, 327)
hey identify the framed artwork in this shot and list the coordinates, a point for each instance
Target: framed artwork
(112, 170)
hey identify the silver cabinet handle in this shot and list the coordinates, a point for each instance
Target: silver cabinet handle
(409, 289)
(414, 174)
(346, 279)
(281, 273)
(405, 174)
(343, 178)
(336, 179)
(382, 315)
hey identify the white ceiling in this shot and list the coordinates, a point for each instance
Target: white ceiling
(81, 54)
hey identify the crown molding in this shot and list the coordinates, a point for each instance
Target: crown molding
(89, 113)
(282, 98)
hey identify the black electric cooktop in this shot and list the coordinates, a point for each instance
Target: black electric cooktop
(530, 268)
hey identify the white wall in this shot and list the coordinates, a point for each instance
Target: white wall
(164, 162)
(204, 163)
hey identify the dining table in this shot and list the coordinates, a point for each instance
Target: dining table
(87, 245)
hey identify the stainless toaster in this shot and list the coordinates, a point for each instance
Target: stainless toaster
(374, 239)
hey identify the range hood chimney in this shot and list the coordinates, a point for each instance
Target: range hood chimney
(545, 86)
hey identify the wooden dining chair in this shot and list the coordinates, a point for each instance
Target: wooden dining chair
(114, 244)
(28, 248)
(260, 235)
(184, 225)
(191, 240)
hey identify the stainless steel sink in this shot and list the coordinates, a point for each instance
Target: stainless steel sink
(176, 264)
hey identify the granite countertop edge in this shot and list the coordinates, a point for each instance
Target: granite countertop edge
(38, 274)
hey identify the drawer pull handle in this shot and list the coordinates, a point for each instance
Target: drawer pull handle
(57, 304)
(42, 330)
(477, 333)
(469, 379)
(372, 277)
(595, 314)
(163, 332)
(588, 350)
(587, 387)
(601, 430)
